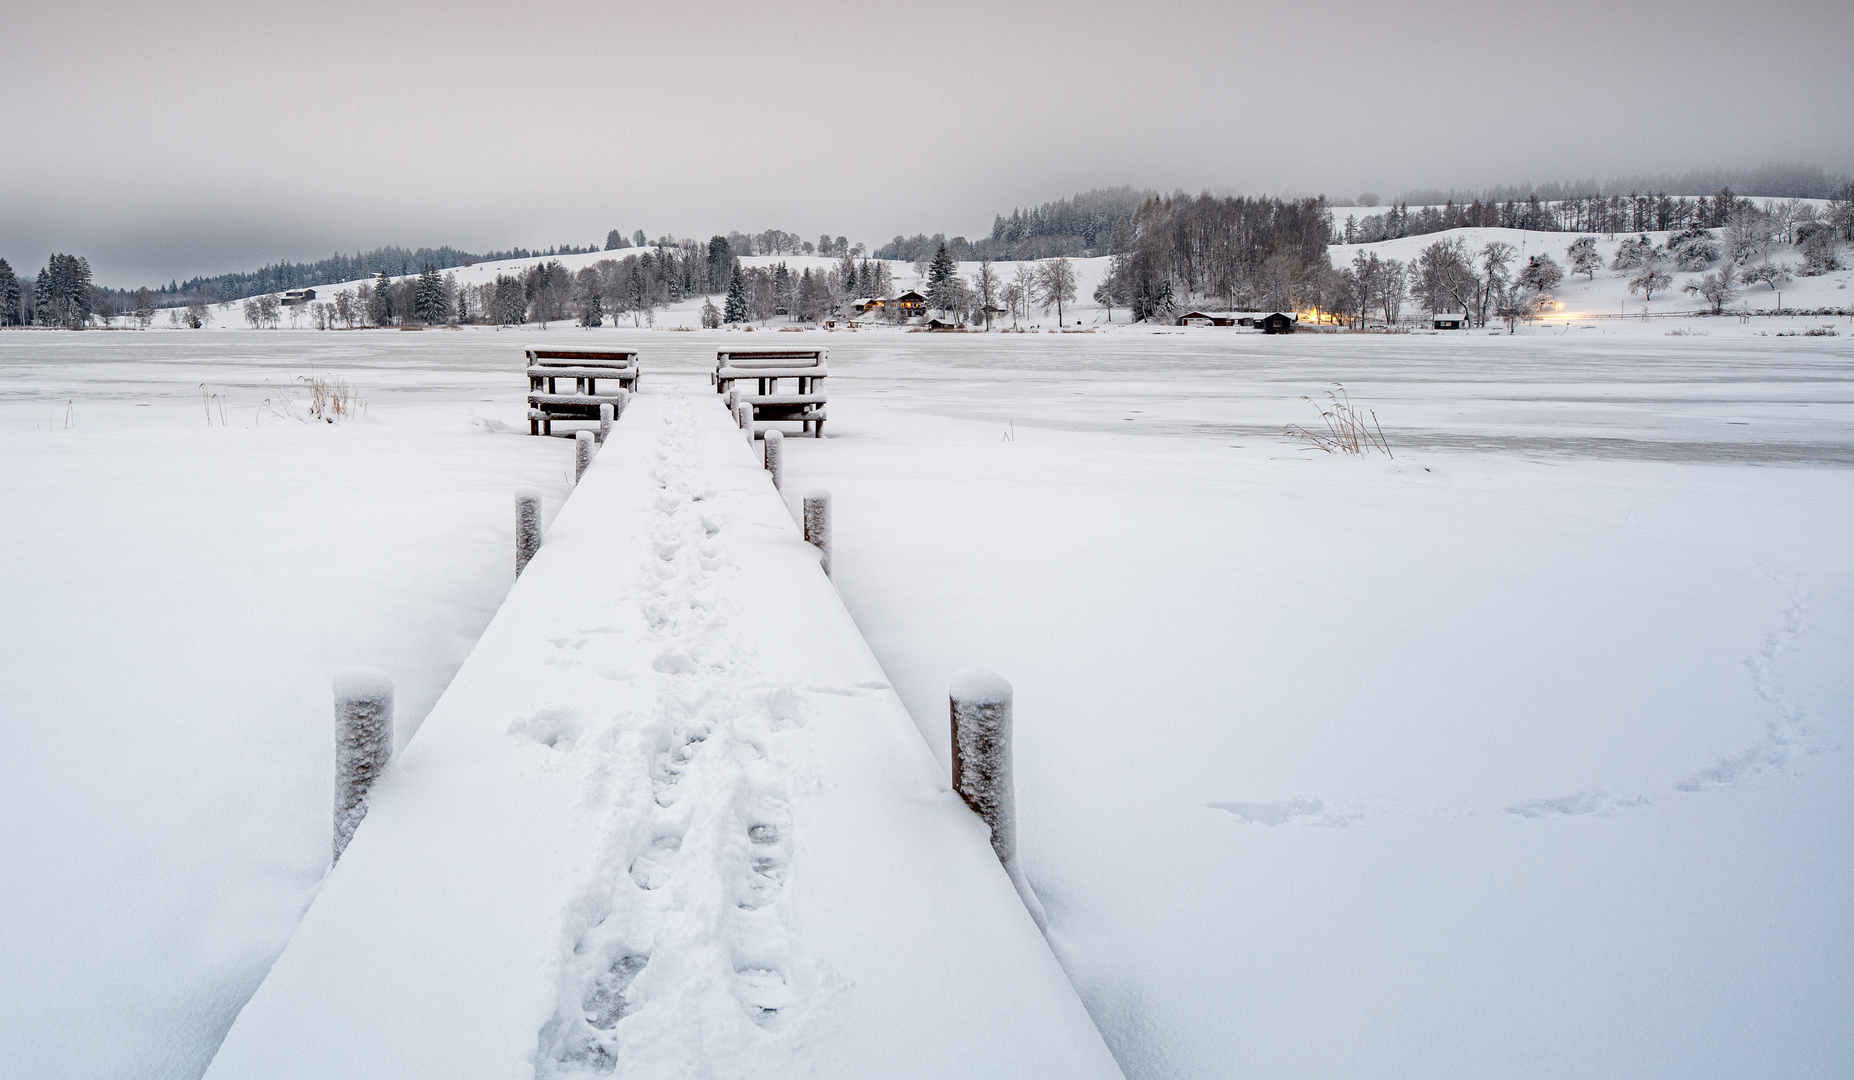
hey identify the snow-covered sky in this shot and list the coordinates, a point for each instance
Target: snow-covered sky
(206, 135)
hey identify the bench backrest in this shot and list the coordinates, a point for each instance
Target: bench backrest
(769, 358)
(581, 358)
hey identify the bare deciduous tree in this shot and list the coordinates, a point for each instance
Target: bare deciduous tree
(1055, 285)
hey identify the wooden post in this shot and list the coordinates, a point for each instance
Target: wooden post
(775, 458)
(746, 421)
(527, 527)
(817, 525)
(363, 745)
(582, 453)
(606, 415)
(981, 707)
(624, 398)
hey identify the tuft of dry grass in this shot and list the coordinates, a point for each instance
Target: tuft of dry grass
(332, 399)
(1344, 429)
(209, 401)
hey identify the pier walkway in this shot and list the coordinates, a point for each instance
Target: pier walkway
(669, 820)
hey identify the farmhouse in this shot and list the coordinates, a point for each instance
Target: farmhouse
(909, 304)
(1221, 318)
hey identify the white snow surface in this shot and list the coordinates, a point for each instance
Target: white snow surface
(1521, 754)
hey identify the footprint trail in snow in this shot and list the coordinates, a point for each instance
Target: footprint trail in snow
(683, 957)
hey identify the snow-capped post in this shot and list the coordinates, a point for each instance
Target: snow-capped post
(527, 527)
(775, 458)
(582, 453)
(624, 398)
(363, 744)
(817, 524)
(606, 415)
(746, 421)
(981, 705)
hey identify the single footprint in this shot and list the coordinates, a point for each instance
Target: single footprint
(605, 1003)
(764, 992)
(651, 870)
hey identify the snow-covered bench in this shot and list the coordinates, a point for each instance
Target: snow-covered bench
(763, 369)
(587, 368)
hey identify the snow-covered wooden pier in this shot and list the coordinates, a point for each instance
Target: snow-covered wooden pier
(669, 820)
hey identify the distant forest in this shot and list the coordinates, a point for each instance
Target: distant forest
(1078, 227)
(1774, 180)
(279, 276)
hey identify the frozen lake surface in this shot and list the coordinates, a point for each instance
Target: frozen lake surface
(1521, 754)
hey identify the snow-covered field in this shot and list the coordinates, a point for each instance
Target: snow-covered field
(1520, 754)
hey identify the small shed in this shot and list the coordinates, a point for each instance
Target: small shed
(1451, 320)
(1276, 323)
(296, 297)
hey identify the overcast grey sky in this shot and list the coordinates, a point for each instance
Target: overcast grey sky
(202, 136)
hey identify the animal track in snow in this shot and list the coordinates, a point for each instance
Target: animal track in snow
(1576, 804)
(1287, 812)
(1784, 732)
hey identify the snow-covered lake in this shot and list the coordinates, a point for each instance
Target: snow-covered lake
(1519, 754)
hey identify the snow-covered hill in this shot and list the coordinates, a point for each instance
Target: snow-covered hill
(1604, 296)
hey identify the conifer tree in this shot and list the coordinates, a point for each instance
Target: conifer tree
(380, 307)
(942, 293)
(428, 298)
(736, 307)
(9, 296)
(720, 261)
(42, 298)
(783, 283)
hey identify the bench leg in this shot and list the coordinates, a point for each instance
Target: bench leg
(534, 426)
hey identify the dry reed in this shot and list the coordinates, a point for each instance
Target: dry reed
(1347, 430)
